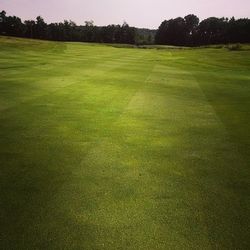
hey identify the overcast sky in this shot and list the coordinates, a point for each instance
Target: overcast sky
(140, 13)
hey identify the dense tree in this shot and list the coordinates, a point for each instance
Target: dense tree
(173, 32)
(239, 30)
(40, 29)
(30, 28)
(212, 30)
(11, 25)
(2, 21)
(191, 22)
(66, 31)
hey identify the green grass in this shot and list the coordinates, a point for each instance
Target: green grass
(120, 148)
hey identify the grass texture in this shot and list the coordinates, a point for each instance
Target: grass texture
(123, 148)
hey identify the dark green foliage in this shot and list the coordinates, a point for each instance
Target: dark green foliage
(67, 31)
(11, 25)
(190, 32)
(187, 31)
(172, 32)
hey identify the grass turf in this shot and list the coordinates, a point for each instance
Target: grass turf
(118, 148)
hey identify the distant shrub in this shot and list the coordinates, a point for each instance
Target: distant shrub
(219, 46)
(234, 47)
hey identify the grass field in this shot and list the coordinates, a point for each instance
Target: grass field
(123, 148)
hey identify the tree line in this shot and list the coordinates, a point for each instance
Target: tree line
(187, 31)
(66, 31)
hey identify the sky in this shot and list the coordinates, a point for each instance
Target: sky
(139, 13)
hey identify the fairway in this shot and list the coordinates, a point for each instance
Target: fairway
(123, 148)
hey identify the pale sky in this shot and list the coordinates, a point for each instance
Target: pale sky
(139, 13)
